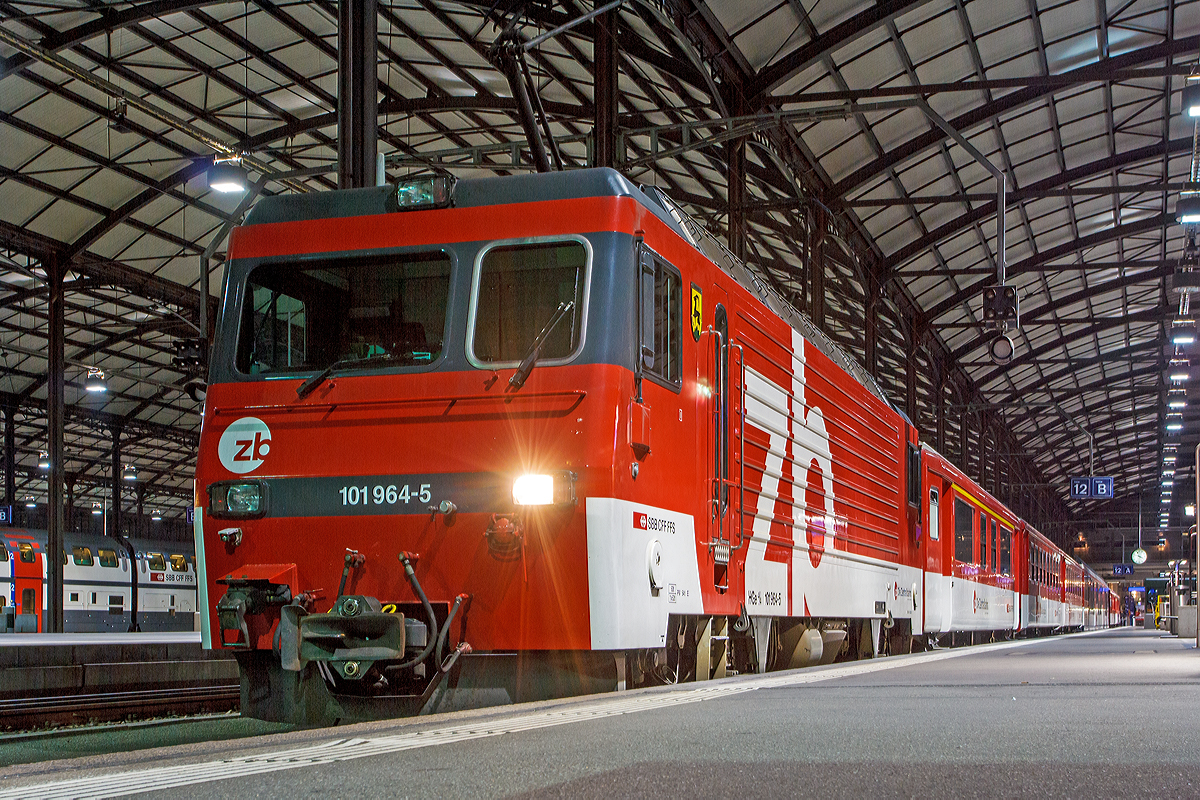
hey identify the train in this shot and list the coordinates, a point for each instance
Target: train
(538, 434)
(101, 593)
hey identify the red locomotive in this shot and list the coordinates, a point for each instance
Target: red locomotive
(542, 434)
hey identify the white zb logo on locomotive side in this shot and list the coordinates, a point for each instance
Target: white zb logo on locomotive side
(244, 445)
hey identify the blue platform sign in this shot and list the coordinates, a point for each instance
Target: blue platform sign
(1091, 488)
(6, 517)
(1122, 570)
(190, 515)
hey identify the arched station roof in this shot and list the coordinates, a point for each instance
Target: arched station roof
(870, 133)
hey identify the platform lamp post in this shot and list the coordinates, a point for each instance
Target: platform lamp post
(1196, 552)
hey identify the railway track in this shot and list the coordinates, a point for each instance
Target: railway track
(28, 713)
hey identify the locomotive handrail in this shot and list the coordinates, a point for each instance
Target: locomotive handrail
(742, 450)
(722, 434)
(579, 394)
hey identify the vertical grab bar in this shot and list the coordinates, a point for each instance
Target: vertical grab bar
(741, 446)
(721, 444)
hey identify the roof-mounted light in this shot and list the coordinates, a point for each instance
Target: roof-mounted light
(1187, 210)
(1191, 99)
(1183, 332)
(227, 175)
(430, 191)
(95, 382)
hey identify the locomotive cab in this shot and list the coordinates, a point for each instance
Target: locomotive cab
(412, 388)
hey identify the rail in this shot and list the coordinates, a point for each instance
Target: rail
(25, 713)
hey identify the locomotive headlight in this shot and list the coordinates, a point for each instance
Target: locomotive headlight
(533, 490)
(237, 499)
(544, 490)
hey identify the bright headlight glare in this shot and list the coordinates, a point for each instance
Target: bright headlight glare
(533, 490)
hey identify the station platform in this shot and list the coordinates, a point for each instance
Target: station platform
(64, 664)
(1109, 712)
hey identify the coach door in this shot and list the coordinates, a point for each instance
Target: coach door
(934, 589)
(27, 586)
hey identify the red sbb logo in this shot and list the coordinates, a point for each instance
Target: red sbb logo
(158, 577)
(639, 521)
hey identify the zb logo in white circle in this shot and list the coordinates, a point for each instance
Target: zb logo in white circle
(244, 445)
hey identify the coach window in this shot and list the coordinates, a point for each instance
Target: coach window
(82, 556)
(662, 320)
(157, 562)
(1005, 552)
(525, 291)
(178, 564)
(995, 545)
(108, 558)
(3, 552)
(933, 514)
(26, 552)
(389, 309)
(981, 547)
(964, 531)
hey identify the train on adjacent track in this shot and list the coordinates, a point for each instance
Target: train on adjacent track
(101, 592)
(543, 433)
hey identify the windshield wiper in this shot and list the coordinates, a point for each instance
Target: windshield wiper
(535, 349)
(306, 388)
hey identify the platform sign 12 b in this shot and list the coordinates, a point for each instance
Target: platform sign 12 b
(1091, 488)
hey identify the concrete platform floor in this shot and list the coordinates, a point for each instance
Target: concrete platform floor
(1114, 713)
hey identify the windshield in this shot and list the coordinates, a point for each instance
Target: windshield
(520, 288)
(299, 318)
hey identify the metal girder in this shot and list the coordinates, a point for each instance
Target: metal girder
(110, 19)
(1156, 222)
(1095, 72)
(114, 273)
(1152, 315)
(836, 37)
(897, 259)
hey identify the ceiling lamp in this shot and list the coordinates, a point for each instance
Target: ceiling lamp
(30, 501)
(43, 460)
(97, 509)
(95, 382)
(1001, 349)
(1191, 99)
(1187, 210)
(156, 516)
(129, 473)
(1179, 377)
(1177, 404)
(1183, 332)
(227, 175)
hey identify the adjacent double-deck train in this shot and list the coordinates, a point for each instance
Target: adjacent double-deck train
(101, 591)
(542, 434)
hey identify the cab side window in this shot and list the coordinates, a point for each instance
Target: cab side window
(661, 345)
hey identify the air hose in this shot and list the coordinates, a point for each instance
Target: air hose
(433, 637)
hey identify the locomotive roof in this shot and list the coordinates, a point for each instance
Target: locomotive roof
(569, 185)
(468, 193)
